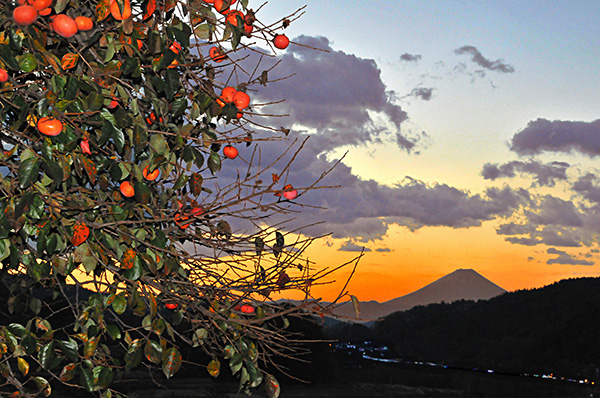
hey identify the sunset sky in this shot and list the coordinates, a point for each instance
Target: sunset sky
(472, 137)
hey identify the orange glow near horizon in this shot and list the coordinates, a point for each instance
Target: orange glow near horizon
(418, 258)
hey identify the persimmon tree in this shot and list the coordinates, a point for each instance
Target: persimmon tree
(123, 243)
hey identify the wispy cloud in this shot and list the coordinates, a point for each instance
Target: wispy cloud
(497, 66)
(565, 258)
(410, 57)
(544, 174)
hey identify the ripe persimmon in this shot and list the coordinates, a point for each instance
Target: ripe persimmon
(3, 75)
(290, 194)
(228, 94)
(25, 15)
(248, 29)
(232, 17)
(40, 4)
(115, 10)
(220, 6)
(64, 25)
(85, 146)
(247, 309)
(113, 103)
(151, 119)
(241, 100)
(84, 23)
(49, 126)
(171, 306)
(216, 54)
(150, 176)
(281, 41)
(230, 152)
(175, 47)
(127, 189)
(45, 11)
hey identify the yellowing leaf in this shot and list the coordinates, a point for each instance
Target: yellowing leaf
(171, 362)
(23, 366)
(102, 9)
(356, 306)
(272, 386)
(213, 368)
(128, 259)
(69, 60)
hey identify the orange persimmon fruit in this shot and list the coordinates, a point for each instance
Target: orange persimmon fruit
(84, 23)
(49, 126)
(25, 15)
(127, 189)
(64, 25)
(115, 10)
(230, 152)
(150, 176)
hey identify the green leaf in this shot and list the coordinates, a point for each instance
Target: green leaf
(158, 144)
(103, 376)
(46, 355)
(179, 106)
(114, 332)
(134, 273)
(27, 62)
(158, 326)
(4, 248)
(87, 379)
(214, 162)
(199, 337)
(28, 171)
(69, 348)
(17, 329)
(119, 303)
(235, 363)
(153, 351)
(35, 304)
(133, 357)
(142, 192)
(171, 362)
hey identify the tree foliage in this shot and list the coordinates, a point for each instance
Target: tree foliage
(112, 180)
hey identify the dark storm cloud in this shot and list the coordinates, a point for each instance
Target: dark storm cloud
(565, 258)
(335, 93)
(424, 93)
(545, 174)
(411, 57)
(476, 56)
(544, 135)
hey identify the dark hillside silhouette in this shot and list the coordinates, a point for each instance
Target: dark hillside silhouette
(552, 329)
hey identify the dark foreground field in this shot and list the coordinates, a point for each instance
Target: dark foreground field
(383, 380)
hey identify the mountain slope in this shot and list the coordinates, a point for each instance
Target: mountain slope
(462, 284)
(550, 329)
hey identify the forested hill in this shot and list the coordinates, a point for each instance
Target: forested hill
(551, 329)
